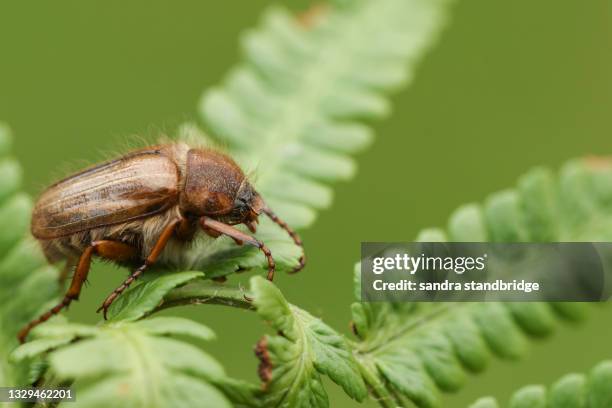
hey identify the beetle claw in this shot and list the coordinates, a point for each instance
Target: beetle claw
(104, 309)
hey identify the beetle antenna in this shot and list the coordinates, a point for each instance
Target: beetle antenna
(296, 238)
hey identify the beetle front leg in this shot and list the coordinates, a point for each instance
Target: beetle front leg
(161, 243)
(240, 238)
(296, 238)
(211, 232)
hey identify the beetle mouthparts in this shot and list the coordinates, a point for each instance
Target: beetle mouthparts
(252, 226)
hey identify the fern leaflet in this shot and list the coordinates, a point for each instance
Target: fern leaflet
(134, 364)
(28, 284)
(573, 390)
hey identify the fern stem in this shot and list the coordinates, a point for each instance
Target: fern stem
(201, 292)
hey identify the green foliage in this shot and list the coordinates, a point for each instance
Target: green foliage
(414, 350)
(28, 284)
(125, 362)
(141, 298)
(572, 391)
(130, 364)
(292, 361)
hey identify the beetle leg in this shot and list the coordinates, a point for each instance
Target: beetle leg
(211, 232)
(237, 235)
(165, 236)
(296, 238)
(185, 230)
(107, 249)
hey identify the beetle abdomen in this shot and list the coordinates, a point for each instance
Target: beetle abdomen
(130, 188)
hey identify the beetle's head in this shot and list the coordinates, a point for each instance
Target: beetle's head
(216, 187)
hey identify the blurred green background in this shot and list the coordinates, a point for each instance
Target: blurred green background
(509, 86)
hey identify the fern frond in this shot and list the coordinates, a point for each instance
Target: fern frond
(291, 109)
(415, 350)
(130, 364)
(27, 283)
(573, 390)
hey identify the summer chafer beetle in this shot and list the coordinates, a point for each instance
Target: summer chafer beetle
(131, 209)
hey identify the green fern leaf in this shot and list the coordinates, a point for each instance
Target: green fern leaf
(144, 296)
(130, 364)
(572, 391)
(27, 283)
(293, 361)
(415, 350)
(241, 393)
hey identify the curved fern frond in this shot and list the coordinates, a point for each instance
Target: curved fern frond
(573, 390)
(290, 109)
(130, 364)
(28, 284)
(415, 350)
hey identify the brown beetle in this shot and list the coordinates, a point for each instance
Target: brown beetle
(130, 209)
